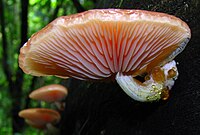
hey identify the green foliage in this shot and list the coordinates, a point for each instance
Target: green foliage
(40, 13)
(87, 4)
(31, 131)
(5, 104)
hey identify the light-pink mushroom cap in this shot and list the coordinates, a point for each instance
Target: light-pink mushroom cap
(49, 93)
(97, 44)
(40, 116)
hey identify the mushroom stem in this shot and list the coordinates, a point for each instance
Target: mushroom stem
(60, 105)
(138, 90)
(159, 81)
(51, 129)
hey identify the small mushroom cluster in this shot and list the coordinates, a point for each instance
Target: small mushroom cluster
(43, 118)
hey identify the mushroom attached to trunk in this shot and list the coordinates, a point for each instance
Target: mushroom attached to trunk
(49, 93)
(40, 117)
(53, 93)
(107, 44)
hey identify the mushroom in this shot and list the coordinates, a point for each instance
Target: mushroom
(107, 44)
(49, 93)
(40, 117)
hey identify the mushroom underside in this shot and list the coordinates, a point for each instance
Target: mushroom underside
(107, 44)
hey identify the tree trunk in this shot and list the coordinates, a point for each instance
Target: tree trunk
(14, 87)
(16, 91)
(102, 108)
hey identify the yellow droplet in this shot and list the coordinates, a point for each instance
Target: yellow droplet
(153, 86)
(165, 94)
(158, 74)
(171, 73)
(147, 77)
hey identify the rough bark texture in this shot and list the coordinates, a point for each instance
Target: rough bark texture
(104, 109)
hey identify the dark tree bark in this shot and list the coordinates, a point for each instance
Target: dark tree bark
(103, 109)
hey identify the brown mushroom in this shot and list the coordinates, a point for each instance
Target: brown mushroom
(40, 117)
(49, 93)
(108, 43)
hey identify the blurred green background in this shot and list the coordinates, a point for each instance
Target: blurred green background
(19, 19)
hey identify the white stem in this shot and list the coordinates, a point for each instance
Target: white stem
(140, 92)
(150, 90)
